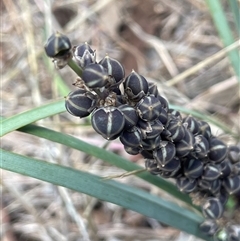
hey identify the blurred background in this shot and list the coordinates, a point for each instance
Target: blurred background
(173, 43)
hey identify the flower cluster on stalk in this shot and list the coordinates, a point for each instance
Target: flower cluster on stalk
(174, 146)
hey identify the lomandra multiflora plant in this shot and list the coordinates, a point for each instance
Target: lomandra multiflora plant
(174, 146)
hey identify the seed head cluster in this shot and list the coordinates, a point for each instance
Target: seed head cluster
(174, 146)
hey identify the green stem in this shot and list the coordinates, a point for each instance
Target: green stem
(78, 70)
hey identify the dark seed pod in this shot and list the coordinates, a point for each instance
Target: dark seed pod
(192, 124)
(177, 130)
(222, 196)
(201, 146)
(236, 169)
(164, 102)
(95, 76)
(217, 150)
(234, 154)
(152, 90)
(234, 232)
(113, 67)
(186, 185)
(145, 127)
(212, 208)
(232, 184)
(172, 165)
(136, 86)
(130, 114)
(149, 108)
(152, 167)
(80, 103)
(193, 168)
(151, 144)
(215, 186)
(84, 55)
(166, 135)
(132, 150)
(204, 129)
(165, 153)
(57, 46)
(211, 172)
(131, 137)
(204, 185)
(108, 122)
(185, 145)
(157, 129)
(209, 227)
(147, 154)
(226, 168)
(174, 114)
(163, 117)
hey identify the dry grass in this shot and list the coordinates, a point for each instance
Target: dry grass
(173, 42)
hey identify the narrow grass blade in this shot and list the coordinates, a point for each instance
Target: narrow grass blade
(107, 156)
(224, 31)
(110, 191)
(30, 116)
(235, 10)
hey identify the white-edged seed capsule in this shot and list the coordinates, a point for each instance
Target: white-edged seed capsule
(234, 153)
(163, 117)
(156, 129)
(130, 114)
(151, 144)
(236, 169)
(149, 108)
(192, 124)
(57, 46)
(201, 146)
(204, 129)
(232, 184)
(185, 145)
(186, 185)
(152, 167)
(80, 103)
(108, 122)
(172, 165)
(165, 153)
(136, 86)
(217, 150)
(193, 168)
(209, 227)
(204, 185)
(174, 114)
(226, 168)
(113, 67)
(212, 208)
(84, 55)
(164, 102)
(176, 128)
(153, 90)
(211, 172)
(131, 137)
(95, 76)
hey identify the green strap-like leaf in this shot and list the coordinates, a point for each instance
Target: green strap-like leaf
(14, 122)
(107, 190)
(107, 156)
